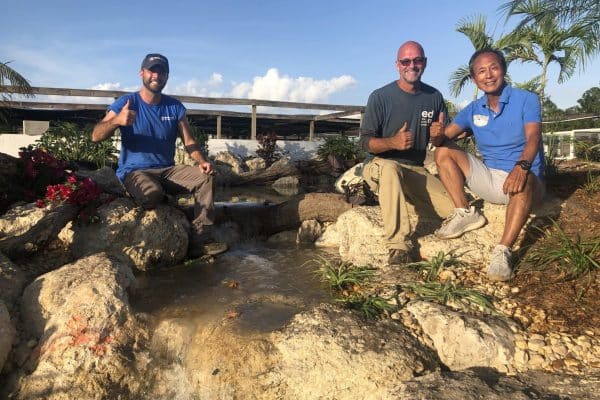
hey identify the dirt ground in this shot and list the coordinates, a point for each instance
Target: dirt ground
(571, 305)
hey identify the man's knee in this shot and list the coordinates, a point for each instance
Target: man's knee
(442, 154)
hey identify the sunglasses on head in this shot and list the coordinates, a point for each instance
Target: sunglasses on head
(405, 62)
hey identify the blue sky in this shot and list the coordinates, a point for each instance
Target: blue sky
(313, 51)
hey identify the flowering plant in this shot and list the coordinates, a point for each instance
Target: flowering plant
(40, 169)
(85, 194)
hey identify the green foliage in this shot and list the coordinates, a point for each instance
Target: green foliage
(18, 84)
(431, 269)
(572, 257)
(370, 306)
(551, 166)
(587, 149)
(339, 146)
(267, 148)
(344, 275)
(444, 293)
(69, 142)
(201, 138)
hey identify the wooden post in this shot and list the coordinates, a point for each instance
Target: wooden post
(253, 124)
(362, 115)
(311, 131)
(219, 118)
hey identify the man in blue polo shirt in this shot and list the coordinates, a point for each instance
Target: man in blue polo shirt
(506, 123)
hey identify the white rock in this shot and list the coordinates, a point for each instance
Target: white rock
(463, 341)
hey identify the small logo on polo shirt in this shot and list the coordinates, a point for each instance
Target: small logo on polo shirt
(167, 118)
(480, 120)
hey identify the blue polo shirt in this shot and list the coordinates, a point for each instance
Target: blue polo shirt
(150, 141)
(500, 137)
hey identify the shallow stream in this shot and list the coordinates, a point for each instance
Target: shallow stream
(258, 285)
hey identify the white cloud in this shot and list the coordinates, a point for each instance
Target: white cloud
(273, 86)
(215, 80)
(107, 86)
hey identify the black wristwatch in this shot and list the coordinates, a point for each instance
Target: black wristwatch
(524, 164)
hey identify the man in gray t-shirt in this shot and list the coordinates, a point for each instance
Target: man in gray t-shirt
(395, 133)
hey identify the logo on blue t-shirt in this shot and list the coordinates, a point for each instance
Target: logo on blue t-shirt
(167, 118)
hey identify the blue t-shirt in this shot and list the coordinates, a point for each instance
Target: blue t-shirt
(500, 136)
(150, 141)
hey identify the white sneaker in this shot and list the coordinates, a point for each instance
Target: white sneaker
(460, 221)
(500, 269)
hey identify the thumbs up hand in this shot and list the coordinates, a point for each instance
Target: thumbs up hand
(126, 117)
(436, 131)
(403, 139)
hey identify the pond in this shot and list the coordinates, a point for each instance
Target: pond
(259, 285)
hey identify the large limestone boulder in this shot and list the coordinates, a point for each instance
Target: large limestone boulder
(7, 334)
(234, 161)
(329, 352)
(361, 239)
(27, 229)
(81, 316)
(463, 341)
(146, 238)
(12, 281)
(20, 219)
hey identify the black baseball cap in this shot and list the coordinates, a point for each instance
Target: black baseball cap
(154, 59)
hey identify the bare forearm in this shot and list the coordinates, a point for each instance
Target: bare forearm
(103, 130)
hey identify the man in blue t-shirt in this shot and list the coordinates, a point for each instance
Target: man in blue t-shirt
(506, 123)
(149, 123)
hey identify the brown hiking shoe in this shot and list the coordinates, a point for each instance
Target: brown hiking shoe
(399, 257)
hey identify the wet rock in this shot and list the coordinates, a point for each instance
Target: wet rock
(7, 334)
(283, 237)
(147, 239)
(463, 341)
(329, 351)
(171, 339)
(330, 236)
(309, 231)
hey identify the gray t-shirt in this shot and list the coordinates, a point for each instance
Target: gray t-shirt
(387, 110)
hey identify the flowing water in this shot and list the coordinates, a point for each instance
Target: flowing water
(258, 285)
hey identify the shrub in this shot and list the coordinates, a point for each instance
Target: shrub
(69, 142)
(267, 148)
(201, 137)
(39, 169)
(338, 146)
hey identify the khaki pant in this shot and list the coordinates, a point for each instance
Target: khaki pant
(395, 183)
(148, 188)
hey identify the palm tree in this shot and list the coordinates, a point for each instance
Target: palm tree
(584, 12)
(474, 28)
(545, 41)
(12, 83)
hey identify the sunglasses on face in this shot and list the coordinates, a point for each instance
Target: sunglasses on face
(418, 61)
